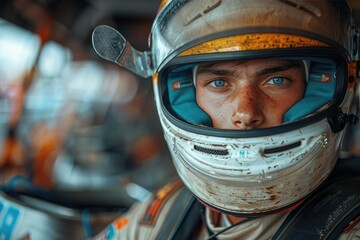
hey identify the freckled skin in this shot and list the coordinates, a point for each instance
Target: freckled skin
(246, 97)
(242, 95)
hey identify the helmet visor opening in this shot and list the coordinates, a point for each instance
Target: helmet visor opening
(253, 94)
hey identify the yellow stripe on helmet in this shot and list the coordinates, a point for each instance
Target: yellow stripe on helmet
(255, 41)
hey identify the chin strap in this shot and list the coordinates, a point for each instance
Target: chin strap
(185, 220)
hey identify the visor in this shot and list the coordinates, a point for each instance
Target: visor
(319, 84)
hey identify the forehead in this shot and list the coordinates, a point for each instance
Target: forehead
(256, 64)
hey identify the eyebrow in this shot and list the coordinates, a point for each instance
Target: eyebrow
(286, 65)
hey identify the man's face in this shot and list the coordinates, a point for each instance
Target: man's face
(249, 94)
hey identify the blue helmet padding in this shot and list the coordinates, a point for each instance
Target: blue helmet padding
(320, 90)
(182, 98)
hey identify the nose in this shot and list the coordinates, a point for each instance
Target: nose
(247, 112)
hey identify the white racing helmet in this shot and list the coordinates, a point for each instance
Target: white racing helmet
(257, 171)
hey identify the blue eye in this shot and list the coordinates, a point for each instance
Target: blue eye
(277, 80)
(219, 83)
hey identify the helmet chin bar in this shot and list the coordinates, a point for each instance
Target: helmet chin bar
(259, 184)
(112, 46)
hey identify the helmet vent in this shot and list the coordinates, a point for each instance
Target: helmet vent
(222, 152)
(282, 148)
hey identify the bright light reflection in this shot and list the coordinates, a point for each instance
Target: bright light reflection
(53, 59)
(18, 51)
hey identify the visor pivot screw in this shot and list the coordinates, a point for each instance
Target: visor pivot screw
(339, 120)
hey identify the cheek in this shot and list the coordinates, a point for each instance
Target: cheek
(204, 102)
(273, 113)
(221, 117)
(277, 107)
(216, 107)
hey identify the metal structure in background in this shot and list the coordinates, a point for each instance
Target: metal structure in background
(80, 139)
